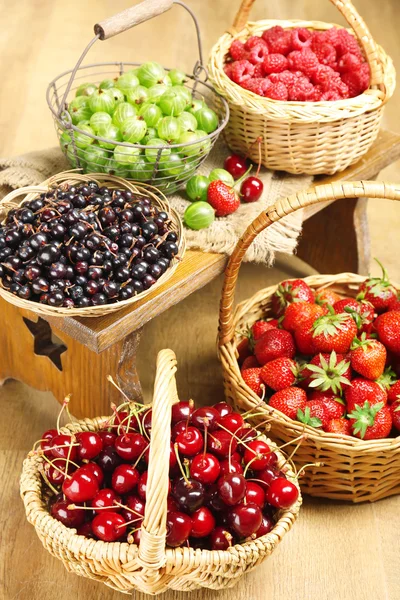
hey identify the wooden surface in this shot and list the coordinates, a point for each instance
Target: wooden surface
(334, 552)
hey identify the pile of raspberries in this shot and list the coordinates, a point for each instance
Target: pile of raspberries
(299, 65)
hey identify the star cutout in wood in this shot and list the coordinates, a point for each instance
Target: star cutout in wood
(44, 345)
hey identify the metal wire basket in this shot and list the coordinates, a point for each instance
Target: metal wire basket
(164, 173)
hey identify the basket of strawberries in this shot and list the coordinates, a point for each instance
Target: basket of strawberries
(314, 91)
(161, 496)
(321, 357)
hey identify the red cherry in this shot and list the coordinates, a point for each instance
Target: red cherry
(97, 472)
(190, 442)
(188, 493)
(281, 493)
(56, 472)
(90, 445)
(205, 416)
(70, 517)
(230, 466)
(203, 522)
(254, 494)
(232, 488)
(223, 408)
(181, 411)
(103, 498)
(146, 421)
(179, 527)
(266, 526)
(136, 536)
(221, 443)
(251, 189)
(245, 519)
(233, 422)
(109, 526)
(62, 446)
(172, 505)
(81, 486)
(130, 445)
(235, 165)
(220, 539)
(121, 417)
(257, 453)
(142, 484)
(108, 438)
(205, 468)
(267, 476)
(47, 438)
(109, 459)
(178, 428)
(213, 500)
(124, 479)
(135, 508)
(245, 434)
(86, 530)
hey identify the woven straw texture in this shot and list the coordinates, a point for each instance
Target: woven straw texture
(151, 567)
(352, 469)
(30, 192)
(304, 137)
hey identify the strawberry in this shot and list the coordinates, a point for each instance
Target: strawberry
(371, 422)
(250, 363)
(288, 401)
(315, 414)
(362, 312)
(393, 394)
(260, 327)
(363, 390)
(298, 313)
(304, 338)
(387, 379)
(280, 373)
(368, 357)
(326, 296)
(252, 378)
(334, 332)
(333, 404)
(378, 290)
(243, 349)
(394, 304)
(327, 372)
(222, 198)
(339, 426)
(395, 412)
(275, 343)
(388, 328)
(288, 291)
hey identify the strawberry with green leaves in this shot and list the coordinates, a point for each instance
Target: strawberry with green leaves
(393, 394)
(327, 372)
(275, 343)
(378, 290)
(299, 313)
(388, 328)
(339, 426)
(368, 357)
(334, 332)
(314, 415)
(333, 403)
(363, 390)
(252, 378)
(326, 296)
(291, 290)
(371, 422)
(289, 401)
(222, 198)
(260, 327)
(280, 373)
(362, 312)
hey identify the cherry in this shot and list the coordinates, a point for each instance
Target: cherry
(81, 486)
(109, 526)
(136, 504)
(230, 466)
(267, 476)
(190, 441)
(235, 165)
(142, 485)
(254, 494)
(62, 446)
(179, 527)
(257, 453)
(90, 445)
(108, 438)
(213, 499)
(56, 473)
(146, 421)
(136, 536)
(188, 493)
(220, 539)
(130, 445)
(181, 411)
(221, 443)
(203, 522)
(205, 416)
(281, 493)
(223, 408)
(179, 427)
(124, 479)
(266, 526)
(108, 459)
(233, 422)
(68, 516)
(97, 472)
(103, 498)
(232, 488)
(245, 519)
(47, 438)
(172, 505)
(251, 189)
(205, 468)
(86, 530)
(245, 434)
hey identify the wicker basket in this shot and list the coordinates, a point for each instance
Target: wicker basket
(151, 567)
(140, 189)
(352, 469)
(304, 137)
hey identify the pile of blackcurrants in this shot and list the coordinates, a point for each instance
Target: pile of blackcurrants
(83, 245)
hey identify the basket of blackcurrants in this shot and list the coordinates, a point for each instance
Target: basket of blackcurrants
(86, 245)
(180, 497)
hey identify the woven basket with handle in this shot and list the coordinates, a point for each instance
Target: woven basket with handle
(352, 469)
(303, 137)
(151, 567)
(11, 201)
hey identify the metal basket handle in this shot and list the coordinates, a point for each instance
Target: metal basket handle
(130, 18)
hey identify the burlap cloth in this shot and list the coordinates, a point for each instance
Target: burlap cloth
(222, 235)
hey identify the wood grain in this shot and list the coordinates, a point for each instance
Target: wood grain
(131, 17)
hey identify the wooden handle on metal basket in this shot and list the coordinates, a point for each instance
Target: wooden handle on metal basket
(316, 195)
(153, 534)
(130, 17)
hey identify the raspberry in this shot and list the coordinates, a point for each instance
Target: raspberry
(272, 34)
(325, 53)
(276, 91)
(254, 41)
(257, 54)
(286, 77)
(274, 63)
(326, 77)
(331, 36)
(303, 60)
(228, 70)
(237, 50)
(258, 70)
(356, 81)
(282, 44)
(330, 96)
(316, 95)
(256, 85)
(349, 62)
(301, 38)
(301, 90)
(346, 43)
(241, 71)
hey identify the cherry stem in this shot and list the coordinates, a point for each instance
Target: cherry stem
(205, 439)
(239, 441)
(111, 380)
(239, 181)
(68, 458)
(182, 470)
(304, 467)
(289, 458)
(47, 482)
(50, 462)
(115, 502)
(303, 436)
(259, 140)
(140, 456)
(256, 457)
(64, 405)
(41, 452)
(129, 522)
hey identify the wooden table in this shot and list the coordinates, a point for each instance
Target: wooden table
(74, 355)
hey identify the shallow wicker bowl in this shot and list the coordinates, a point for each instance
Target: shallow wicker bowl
(303, 137)
(352, 469)
(151, 567)
(141, 189)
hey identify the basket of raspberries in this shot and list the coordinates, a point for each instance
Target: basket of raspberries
(160, 496)
(321, 357)
(309, 87)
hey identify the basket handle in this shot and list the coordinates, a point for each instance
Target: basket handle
(316, 195)
(153, 534)
(9, 201)
(356, 22)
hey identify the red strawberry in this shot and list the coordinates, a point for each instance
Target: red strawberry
(371, 422)
(368, 357)
(388, 328)
(280, 373)
(275, 343)
(364, 310)
(222, 198)
(333, 404)
(304, 338)
(260, 327)
(394, 304)
(252, 378)
(327, 372)
(339, 426)
(243, 350)
(395, 412)
(387, 379)
(393, 394)
(378, 290)
(326, 296)
(250, 363)
(363, 390)
(291, 290)
(315, 414)
(334, 332)
(289, 401)
(298, 313)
